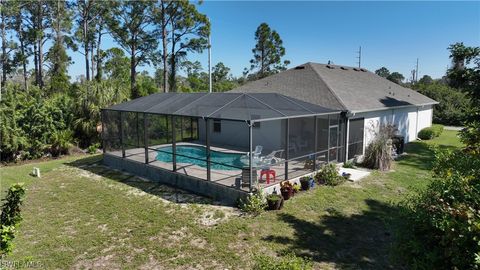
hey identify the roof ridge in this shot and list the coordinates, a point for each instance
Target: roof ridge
(328, 87)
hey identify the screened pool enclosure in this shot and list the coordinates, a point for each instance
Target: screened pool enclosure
(225, 139)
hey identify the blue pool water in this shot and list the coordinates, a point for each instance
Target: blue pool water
(189, 153)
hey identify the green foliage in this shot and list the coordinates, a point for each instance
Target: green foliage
(426, 133)
(287, 262)
(441, 227)
(382, 72)
(437, 129)
(378, 154)
(268, 52)
(328, 175)
(255, 204)
(33, 120)
(349, 164)
(10, 216)
(61, 142)
(92, 149)
(467, 77)
(452, 102)
(396, 77)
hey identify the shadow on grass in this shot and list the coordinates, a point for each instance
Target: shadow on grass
(356, 241)
(93, 164)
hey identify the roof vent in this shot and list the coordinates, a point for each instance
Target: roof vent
(344, 68)
(300, 67)
(330, 67)
(356, 69)
(364, 70)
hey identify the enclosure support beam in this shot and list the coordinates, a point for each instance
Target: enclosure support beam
(138, 133)
(287, 146)
(328, 141)
(207, 144)
(122, 135)
(347, 139)
(250, 143)
(103, 132)
(174, 145)
(315, 143)
(145, 136)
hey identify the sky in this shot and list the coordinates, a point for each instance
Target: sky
(391, 34)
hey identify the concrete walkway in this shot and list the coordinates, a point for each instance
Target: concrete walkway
(356, 174)
(452, 128)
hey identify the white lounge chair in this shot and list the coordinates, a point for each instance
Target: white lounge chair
(257, 152)
(275, 157)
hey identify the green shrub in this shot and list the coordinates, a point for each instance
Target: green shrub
(426, 134)
(61, 142)
(437, 129)
(349, 164)
(440, 226)
(287, 262)
(328, 175)
(92, 149)
(255, 204)
(378, 154)
(10, 216)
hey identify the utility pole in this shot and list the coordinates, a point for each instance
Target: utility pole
(209, 62)
(359, 57)
(416, 71)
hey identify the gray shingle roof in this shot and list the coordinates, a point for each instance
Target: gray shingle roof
(337, 87)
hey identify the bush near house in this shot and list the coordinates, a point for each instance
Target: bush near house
(437, 129)
(442, 223)
(426, 134)
(328, 175)
(378, 154)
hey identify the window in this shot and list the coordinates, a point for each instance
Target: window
(217, 126)
(355, 138)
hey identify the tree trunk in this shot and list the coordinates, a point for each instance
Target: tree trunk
(4, 46)
(165, 50)
(40, 45)
(92, 57)
(24, 60)
(133, 84)
(85, 46)
(35, 62)
(99, 74)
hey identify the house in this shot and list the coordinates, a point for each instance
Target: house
(366, 99)
(226, 145)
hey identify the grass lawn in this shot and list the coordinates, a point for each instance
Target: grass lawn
(83, 215)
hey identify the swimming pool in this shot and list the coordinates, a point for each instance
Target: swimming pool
(186, 152)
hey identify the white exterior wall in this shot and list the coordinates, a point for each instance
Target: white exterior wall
(236, 134)
(409, 121)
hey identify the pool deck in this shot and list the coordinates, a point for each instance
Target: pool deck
(222, 177)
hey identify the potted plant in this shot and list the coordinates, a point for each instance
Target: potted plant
(274, 202)
(329, 175)
(286, 188)
(296, 188)
(305, 182)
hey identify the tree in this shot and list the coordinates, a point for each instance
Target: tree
(188, 31)
(382, 72)
(425, 80)
(19, 25)
(116, 64)
(89, 19)
(192, 68)
(131, 23)
(7, 61)
(467, 78)
(57, 55)
(220, 72)
(396, 77)
(268, 52)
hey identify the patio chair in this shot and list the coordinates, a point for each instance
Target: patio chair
(274, 156)
(257, 152)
